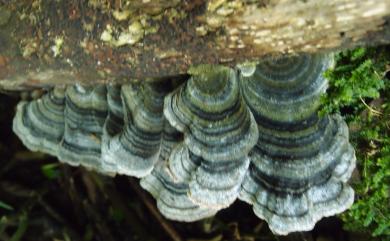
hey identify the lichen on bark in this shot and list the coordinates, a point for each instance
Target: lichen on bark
(45, 43)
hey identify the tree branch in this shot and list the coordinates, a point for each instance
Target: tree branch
(61, 42)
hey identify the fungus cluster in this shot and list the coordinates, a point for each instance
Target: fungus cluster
(219, 136)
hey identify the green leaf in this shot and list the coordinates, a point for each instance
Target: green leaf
(6, 206)
(50, 170)
(383, 228)
(369, 218)
(358, 53)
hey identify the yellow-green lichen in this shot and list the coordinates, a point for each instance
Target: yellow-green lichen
(117, 38)
(28, 47)
(122, 15)
(217, 11)
(135, 19)
(57, 47)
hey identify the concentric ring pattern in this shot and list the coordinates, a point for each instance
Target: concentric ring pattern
(218, 137)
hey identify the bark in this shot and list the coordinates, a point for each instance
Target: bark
(99, 41)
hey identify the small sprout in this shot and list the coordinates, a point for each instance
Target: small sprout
(50, 171)
(57, 47)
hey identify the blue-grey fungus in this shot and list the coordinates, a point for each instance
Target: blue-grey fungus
(251, 134)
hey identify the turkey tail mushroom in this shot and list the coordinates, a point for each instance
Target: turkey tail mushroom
(172, 196)
(112, 126)
(40, 123)
(286, 89)
(85, 113)
(219, 131)
(217, 137)
(66, 122)
(170, 138)
(135, 150)
(110, 129)
(301, 162)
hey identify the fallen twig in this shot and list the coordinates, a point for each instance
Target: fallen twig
(175, 236)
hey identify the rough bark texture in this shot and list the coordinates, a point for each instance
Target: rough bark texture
(58, 42)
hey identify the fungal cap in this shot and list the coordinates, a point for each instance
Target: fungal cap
(40, 123)
(171, 196)
(292, 194)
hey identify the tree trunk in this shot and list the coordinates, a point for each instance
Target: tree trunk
(61, 42)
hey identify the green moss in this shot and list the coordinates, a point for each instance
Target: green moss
(359, 90)
(356, 76)
(210, 78)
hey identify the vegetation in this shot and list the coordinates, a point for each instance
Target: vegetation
(360, 90)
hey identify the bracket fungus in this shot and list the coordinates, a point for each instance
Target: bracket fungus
(301, 162)
(84, 114)
(136, 148)
(219, 131)
(219, 136)
(110, 129)
(40, 124)
(172, 196)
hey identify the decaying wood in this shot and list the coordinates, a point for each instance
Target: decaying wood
(60, 42)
